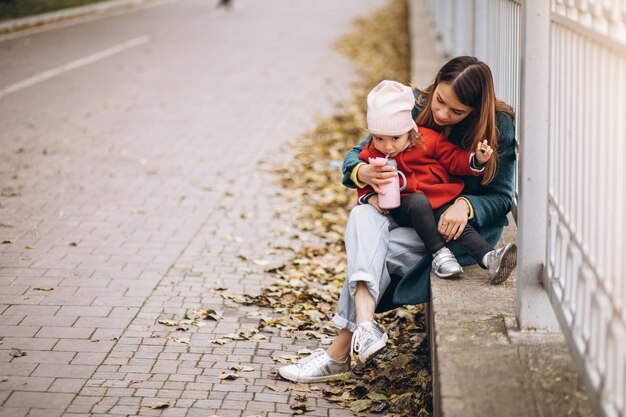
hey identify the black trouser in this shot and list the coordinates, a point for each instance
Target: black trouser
(415, 211)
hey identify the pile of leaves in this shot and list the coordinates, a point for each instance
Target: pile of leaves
(307, 287)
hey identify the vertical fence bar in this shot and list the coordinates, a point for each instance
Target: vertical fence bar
(533, 306)
(480, 27)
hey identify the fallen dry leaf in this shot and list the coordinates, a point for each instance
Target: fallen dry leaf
(168, 322)
(159, 404)
(228, 376)
(240, 368)
(278, 388)
(16, 353)
(300, 388)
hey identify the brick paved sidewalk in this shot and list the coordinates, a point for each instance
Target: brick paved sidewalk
(123, 202)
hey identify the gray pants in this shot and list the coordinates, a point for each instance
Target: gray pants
(376, 248)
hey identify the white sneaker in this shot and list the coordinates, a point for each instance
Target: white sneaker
(368, 340)
(317, 367)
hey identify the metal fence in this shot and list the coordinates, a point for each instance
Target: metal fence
(563, 64)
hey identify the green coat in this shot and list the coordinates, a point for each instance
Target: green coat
(491, 204)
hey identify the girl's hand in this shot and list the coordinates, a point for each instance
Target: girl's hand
(453, 220)
(483, 152)
(375, 176)
(373, 200)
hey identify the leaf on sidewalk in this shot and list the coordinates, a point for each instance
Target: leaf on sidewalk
(240, 368)
(377, 396)
(16, 353)
(360, 405)
(170, 323)
(182, 340)
(202, 314)
(228, 376)
(285, 358)
(159, 404)
(380, 407)
(300, 405)
(278, 388)
(233, 336)
(239, 299)
(43, 289)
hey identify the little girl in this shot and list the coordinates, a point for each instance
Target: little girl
(428, 160)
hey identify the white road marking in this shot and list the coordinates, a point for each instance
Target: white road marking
(81, 62)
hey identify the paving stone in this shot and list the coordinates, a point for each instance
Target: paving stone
(26, 343)
(34, 356)
(35, 412)
(70, 371)
(26, 383)
(13, 411)
(39, 400)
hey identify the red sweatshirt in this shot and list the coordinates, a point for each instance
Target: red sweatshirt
(428, 168)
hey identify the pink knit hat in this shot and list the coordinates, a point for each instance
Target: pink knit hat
(389, 107)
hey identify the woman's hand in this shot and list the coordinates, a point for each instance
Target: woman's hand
(453, 220)
(374, 175)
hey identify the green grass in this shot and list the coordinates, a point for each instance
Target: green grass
(13, 9)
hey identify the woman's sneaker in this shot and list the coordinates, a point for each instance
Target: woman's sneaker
(445, 264)
(501, 262)
(368, 340)
(317, 367)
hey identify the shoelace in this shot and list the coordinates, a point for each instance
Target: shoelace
(312, 361)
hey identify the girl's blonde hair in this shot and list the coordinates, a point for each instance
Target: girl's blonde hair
(415, 139)
(472, 82)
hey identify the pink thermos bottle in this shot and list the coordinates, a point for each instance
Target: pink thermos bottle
(389, 197)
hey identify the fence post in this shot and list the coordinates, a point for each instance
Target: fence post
(534, 310)
(481, 22)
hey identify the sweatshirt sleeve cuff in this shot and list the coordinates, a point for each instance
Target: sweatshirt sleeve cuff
(363, 199)
(476, 166)
(471, 209)
(353, 176)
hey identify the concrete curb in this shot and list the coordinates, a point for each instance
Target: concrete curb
(30, 22)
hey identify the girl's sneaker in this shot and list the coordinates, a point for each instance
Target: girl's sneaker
(368, 340)
(501, 262)
(317, 367)
(445, 264)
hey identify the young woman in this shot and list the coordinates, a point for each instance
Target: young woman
(461, 104)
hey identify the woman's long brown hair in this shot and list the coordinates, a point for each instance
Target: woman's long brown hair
(472, 82)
